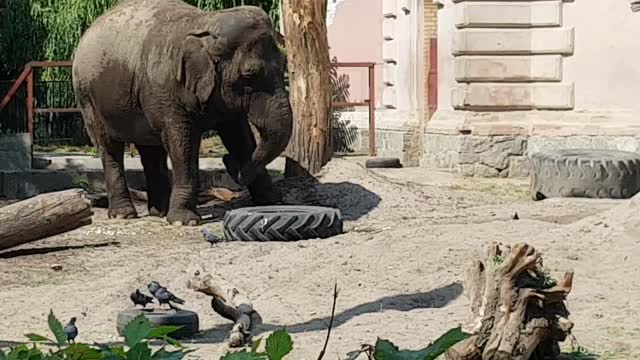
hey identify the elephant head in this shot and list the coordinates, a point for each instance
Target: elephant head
(232, 62)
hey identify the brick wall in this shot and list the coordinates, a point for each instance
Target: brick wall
(430, 32)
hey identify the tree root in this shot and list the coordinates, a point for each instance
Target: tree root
(227, 301)
(516, 310)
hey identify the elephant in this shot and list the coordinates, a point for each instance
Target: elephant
(159, 73)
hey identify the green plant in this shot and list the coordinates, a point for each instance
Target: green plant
(386, 350)
(277, 346)
(137, 334)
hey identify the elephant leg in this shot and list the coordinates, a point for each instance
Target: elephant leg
(238, 139)
(120, 205)
(182, 140)
(156, 172)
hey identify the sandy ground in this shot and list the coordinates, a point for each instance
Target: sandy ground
(399, 267)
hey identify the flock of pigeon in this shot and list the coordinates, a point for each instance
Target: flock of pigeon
(158, 292)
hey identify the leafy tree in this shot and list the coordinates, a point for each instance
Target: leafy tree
(50, 29)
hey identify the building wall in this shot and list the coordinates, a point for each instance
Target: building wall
(519, 76)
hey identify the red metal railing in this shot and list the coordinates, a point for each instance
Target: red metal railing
(432, 80)
(370, 102)
(27, 76)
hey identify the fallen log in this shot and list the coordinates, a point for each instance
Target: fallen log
(227, 301)
(517, 310)
(43, 216)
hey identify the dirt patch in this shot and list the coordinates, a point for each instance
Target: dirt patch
(410, 233)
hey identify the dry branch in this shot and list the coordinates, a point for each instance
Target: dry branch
(515, 313)
(43, 216)
(229, 303)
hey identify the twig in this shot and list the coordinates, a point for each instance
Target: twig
(333, 315)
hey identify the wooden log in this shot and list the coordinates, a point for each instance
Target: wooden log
(228, 302)
(43, 216)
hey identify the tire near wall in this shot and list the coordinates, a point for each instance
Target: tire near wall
(587, 173)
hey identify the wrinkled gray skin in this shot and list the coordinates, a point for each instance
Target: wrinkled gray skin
(158, 73)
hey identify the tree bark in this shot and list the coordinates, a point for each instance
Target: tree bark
(43, 216)
(309, 86)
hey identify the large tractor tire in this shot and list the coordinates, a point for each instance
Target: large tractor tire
(586, 173)
(282, 223)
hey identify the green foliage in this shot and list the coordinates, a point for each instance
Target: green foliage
(33, 30)
(277, 346)
(385, 350)
(137, 334)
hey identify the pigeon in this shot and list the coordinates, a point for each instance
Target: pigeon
(141, 299)
(71, 330)
(163, 295)
(210, 237)
(515, 217)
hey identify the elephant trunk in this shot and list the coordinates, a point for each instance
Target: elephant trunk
(272, 116)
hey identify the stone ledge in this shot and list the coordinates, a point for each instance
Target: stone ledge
(508, 68)
(513, 41)
(509, 15)
(506, 156)
(612, 122)
(496, 96)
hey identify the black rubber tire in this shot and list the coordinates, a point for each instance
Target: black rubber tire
(187, 319)
(392, 163)
(587, 173)
(282, 223)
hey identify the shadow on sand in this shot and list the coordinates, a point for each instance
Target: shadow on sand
(46, 250)
(353, 200)
(437, 298)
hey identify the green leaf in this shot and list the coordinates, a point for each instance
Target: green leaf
(163, 354)
(172, 341)
(139, 352)
(57, 329)
(256, 345)
(116, 353)
(137, 330)
(386, 350)
(278, 345)
(3, 356)
(241, 355)
(36, 338)
(160, 332)
(82, 351)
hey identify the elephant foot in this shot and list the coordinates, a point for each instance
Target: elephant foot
(123, 212)
(183, 217)
(153, 211)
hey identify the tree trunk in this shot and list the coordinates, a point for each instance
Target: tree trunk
(309, 86)
(43, 216)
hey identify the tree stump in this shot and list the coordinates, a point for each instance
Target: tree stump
(43, 216)
(517, 311)
(227, 301)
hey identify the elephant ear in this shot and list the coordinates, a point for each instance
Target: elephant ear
(199, 54)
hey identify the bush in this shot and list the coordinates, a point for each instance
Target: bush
(140, 331)
(137, 334)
